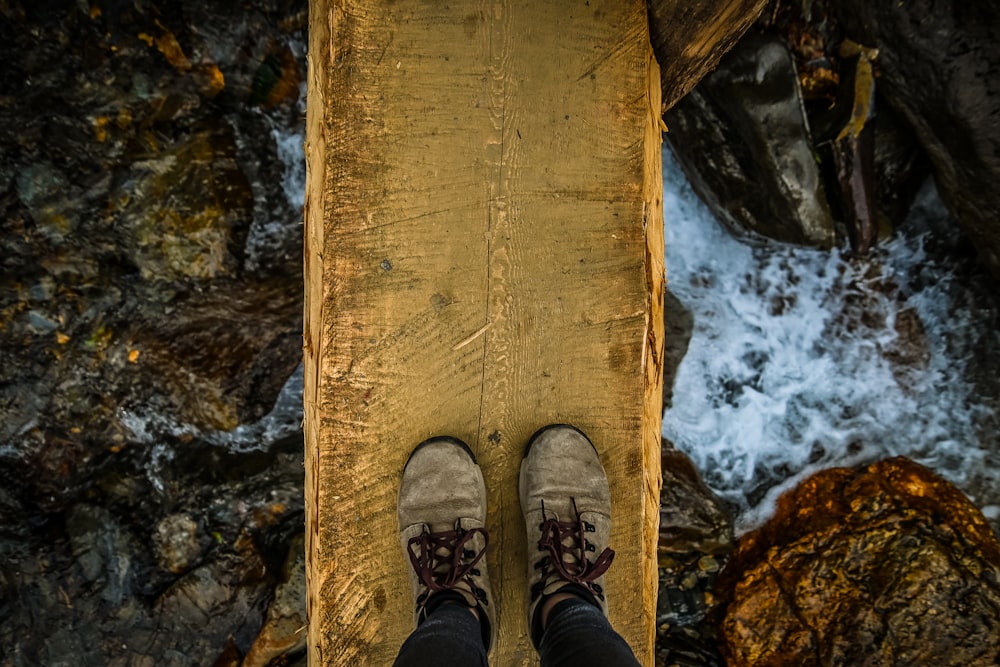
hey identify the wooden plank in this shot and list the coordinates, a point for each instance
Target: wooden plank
(483, 256)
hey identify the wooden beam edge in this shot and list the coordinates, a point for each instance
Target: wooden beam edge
(321, 34)
(653, 355)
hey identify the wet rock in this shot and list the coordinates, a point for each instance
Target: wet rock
(743, 140)
(222, 357)
(692, 518)
(284, 629)
(696, 535)
(939, 71)
(677, 326)
(176, 539)
(204, 607)
(140, 179)
(870, 159)
(190, 209)
(886, 564)
(690, 647)
(50, 199)
(910, 352)
(688, 38)
(150, 301)
(685, 590)
(901, 167)
(103, 552)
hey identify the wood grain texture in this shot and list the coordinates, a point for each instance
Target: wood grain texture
(484, 255)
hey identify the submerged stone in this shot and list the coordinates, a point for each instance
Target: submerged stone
(678, 322)
(190, 209)
(176, 539)
(887, 564)
(284, 631)
(151, 302)
(692, 519)
(696, 534)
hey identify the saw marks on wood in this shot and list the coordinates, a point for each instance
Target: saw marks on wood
(484, 257)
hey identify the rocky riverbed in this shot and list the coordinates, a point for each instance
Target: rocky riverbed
(150, 317)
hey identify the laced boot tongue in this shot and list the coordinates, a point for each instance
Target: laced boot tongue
(446, 561)
(567, 548)
(446, 564)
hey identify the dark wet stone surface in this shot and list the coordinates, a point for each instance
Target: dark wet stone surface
(677, 325)
(939, 63)
(743, 140)
(150, 303)
(696, 537)
(101, 567)
(934, 106)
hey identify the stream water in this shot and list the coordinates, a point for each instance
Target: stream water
(803, 359)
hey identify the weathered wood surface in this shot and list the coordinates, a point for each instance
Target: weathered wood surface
(484, 255)
(689, 37)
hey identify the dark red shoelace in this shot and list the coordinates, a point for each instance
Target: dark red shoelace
(446, 548)
(562, 538)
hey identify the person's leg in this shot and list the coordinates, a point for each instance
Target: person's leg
(442, 511)
(577, 634)
(567, 511)
(449, 637)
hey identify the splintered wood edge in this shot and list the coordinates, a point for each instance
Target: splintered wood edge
(653, 354)
(321, 32)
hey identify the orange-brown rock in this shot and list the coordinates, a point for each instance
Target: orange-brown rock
(882, 565)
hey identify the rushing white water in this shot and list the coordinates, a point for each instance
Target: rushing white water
(289, 145)
(803, 359)
(271, 231)
(149, 427)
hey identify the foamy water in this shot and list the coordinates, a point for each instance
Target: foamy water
(284, 418)
(802, 359)
(270, 231)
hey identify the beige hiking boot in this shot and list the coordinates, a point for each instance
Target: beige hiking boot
(567, 510)
(442, 513)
